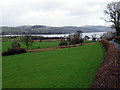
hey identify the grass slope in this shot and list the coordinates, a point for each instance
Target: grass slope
(6, 45)
(63, 68)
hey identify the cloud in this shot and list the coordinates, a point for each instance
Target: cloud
(53, 12)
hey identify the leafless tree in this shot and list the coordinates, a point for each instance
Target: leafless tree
(75, 38)
(113, 15)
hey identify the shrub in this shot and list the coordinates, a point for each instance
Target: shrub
(63, 43)
(15, 44)
(14, 51)
(75, 38)
(76, 41)
(94, 39)
(38, 46)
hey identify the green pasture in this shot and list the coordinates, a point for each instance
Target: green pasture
(35, 45)
(63, 68)
(6, 45)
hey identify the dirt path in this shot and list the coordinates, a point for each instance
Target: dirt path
(60, 47)
(47, 40)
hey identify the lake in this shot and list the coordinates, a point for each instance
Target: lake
(98, 34)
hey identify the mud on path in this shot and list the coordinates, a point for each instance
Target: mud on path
(60, 47)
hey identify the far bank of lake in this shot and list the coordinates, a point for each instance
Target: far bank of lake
(97, 34)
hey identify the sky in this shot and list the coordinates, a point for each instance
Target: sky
(52, 12)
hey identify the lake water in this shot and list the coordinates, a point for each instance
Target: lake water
(98, 34)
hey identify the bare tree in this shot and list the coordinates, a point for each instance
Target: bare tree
(75, 38)
(113, 15)
(28, 41)
(79, 34)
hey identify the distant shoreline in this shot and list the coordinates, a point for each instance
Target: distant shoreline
(98, 34)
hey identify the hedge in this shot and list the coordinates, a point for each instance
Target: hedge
(14, 51)
(108, 75)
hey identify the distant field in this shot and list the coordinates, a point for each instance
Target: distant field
(63, 68)
(6, 45)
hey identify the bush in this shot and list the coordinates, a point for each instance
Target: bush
(14, 51)
(76, 41)
(75, 38)
(15, 44)
(38, 46)
(94, 39)
(63, 43)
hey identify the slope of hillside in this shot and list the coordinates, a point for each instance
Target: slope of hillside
(40, 29)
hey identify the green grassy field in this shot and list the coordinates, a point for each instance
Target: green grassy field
(64, 68)
(6, 45)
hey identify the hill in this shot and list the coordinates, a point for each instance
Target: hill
(41, 29)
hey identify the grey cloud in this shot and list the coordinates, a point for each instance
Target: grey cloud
(53, 12)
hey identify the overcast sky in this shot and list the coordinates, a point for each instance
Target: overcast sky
(52, 12)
